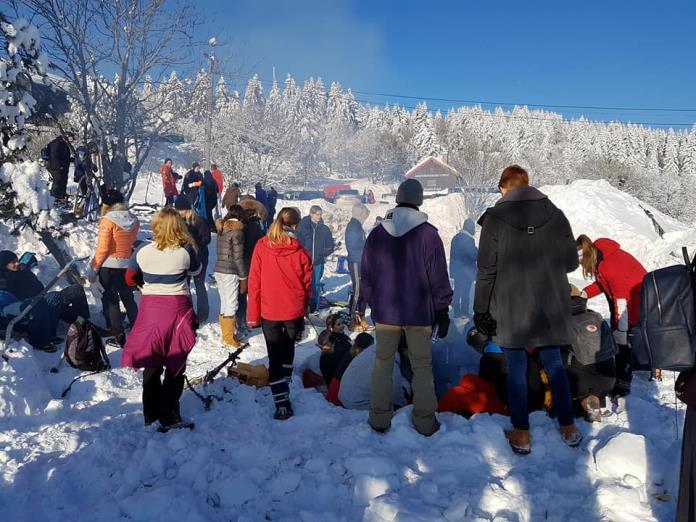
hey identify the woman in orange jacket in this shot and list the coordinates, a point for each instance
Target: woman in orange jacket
(118, 229)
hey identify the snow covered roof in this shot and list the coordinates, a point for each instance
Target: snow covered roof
(433, 162)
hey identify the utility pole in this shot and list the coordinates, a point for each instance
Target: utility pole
(211, 103)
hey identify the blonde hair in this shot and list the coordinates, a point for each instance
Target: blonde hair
(589, 255)
(189, 216)
(169, 230)
(277, 233)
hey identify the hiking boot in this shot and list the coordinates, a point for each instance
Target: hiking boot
(591, 409)
(283, 412)
(520, 441)
(571, 435)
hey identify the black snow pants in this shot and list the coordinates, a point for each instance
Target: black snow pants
(161, 398)
(280, 339)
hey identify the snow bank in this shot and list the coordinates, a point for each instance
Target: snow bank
(90, 454)
(31, 183)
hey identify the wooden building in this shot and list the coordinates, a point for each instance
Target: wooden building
(434, 174)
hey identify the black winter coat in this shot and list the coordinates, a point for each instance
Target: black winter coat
(191, 192)
(58, 155)
(230, 248)
(23, 284)
(526, 250)
(252, 234)
(316, 239)
(200, 232)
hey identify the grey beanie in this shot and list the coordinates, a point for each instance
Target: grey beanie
(410, 193)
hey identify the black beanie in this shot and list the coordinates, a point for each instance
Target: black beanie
(410, 192)
(182, 203)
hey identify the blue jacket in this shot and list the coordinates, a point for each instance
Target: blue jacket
(355, 240)
(316, 240)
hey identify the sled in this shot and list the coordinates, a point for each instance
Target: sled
(10, 327)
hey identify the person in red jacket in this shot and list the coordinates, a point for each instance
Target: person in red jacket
(280, 288)
(618, 275)
(169, 179)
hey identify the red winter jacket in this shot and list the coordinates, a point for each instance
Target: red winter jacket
(280, 280)
(168, 181)
(619, 276)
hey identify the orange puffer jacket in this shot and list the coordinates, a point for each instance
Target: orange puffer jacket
(117, 232)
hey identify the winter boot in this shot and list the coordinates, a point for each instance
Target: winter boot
(283, 412)
(227, 327)
(519, 441)
(570, 435)
(366, 327)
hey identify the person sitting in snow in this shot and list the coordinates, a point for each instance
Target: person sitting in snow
(335, 344)
(18, 279)
(362, 342)
(39, 324)
(463, 255)
(619, 276)
(165, 331)
(356, 382)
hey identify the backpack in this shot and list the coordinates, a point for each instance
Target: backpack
(666, 335)
(45, 156)
(593, 341)
(84, 349)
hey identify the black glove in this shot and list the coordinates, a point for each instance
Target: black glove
(442, 321)
(485, 323)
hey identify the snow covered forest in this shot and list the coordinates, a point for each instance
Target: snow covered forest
(287, 133)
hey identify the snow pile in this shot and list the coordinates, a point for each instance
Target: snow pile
(31, 182)
(90, 454)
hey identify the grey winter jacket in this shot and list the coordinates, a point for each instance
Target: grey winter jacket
(230, 248)
(526, 250)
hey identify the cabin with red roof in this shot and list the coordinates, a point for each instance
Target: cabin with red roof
(434, 174)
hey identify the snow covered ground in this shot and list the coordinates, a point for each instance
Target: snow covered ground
(88, 457)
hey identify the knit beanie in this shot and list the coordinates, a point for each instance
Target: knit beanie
(182, 203)
(410, 192)
(7, 257)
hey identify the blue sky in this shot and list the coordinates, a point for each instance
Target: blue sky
(595, 53)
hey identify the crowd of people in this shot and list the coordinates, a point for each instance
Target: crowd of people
(541, 347)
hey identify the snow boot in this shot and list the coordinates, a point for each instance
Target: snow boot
(571, 435)
(228, 329)
(283, 412)
(118, 341)
(520, 441)
(366, 327)
(591, 409)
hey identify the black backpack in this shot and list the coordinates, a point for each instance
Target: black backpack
(84, 349)
(666, 336)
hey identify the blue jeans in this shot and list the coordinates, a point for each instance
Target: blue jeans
(517, 385)
(317, 274)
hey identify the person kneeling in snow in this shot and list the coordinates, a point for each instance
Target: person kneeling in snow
(18, 279)
(362, 342)
(165, 330)
(590, 360)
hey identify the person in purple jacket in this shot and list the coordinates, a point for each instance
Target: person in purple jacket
(405, 281)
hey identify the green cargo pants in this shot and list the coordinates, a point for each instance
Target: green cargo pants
(424, 400)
